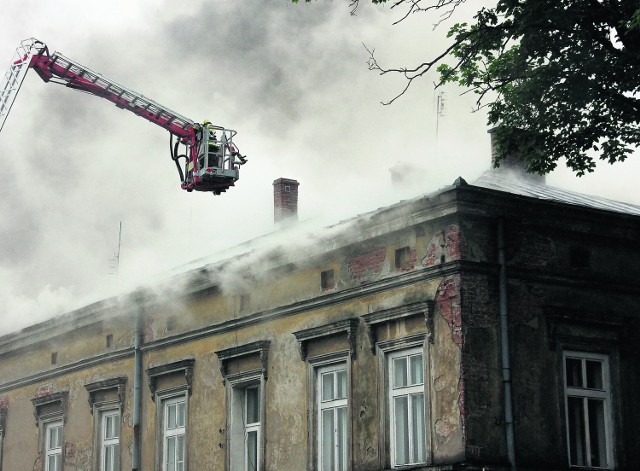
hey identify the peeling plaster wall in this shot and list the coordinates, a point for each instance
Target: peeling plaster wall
(22, 435)
(451, 260)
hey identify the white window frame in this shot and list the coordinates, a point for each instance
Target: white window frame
(251, 427)
(410, 392)
(107, 445)
(602, 394)
(53, 451)
(333, 404)
(175, 432)
(239, 428)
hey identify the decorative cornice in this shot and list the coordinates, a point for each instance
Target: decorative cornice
(182, 367)
(260, 347)
(105, 385)
(38, 402)
(328, 299)
(345, 326)
(66, 369)
(426, 308)
(601, 322)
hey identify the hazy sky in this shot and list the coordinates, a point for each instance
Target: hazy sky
(291, 79)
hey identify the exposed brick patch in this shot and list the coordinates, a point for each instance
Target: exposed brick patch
(430, 259)
(445, 246)
(448, 302)
(454, 242)
(480, 293)
(461, 398)
(363, 267)
(44, 390)
(4, 402)
(534, 250)
(69, 451)
(411, 262)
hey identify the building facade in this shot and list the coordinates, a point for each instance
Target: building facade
(483, 326)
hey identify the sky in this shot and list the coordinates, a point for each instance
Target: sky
(292, 80)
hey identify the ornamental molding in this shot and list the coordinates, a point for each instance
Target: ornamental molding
(345, 326)
(424, 308)
(260, 348)
(60, 398)
(106, 385)
(184, 367)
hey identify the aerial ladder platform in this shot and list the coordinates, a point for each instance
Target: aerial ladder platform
(211, 160)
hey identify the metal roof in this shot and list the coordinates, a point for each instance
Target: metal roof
(509, 182)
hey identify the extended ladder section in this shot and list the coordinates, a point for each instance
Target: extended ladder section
(12, 80)
(203, 171)
(61, 69)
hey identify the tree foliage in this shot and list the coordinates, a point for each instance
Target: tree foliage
(559, 78)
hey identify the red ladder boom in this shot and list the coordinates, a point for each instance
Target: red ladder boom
(211, 160)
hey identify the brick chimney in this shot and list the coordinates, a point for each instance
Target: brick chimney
(513, 166)
(285, 200)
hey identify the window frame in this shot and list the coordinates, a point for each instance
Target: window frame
(585, 393)
(384, 351)
(50, 409)
(166, 400)
(409, 391)
(105, 396)
(47, 426)
(237, 427)
(320, 366)
(103, 414)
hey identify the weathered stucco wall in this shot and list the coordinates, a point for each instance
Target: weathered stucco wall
(569, 278)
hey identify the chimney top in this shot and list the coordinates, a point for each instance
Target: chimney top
(512, 165)
(285, 200)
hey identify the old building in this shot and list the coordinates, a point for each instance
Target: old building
(480, 326)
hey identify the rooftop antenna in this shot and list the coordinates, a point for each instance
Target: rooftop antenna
(440, 113)
(116, 257)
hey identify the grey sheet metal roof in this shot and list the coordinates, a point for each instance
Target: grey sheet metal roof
(505, 181)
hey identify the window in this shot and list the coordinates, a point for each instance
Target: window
(245, 302)
(332, 417)
(332, 347)
(49, 411)
(587, 405)
(174, 426)
(170, 386)
(580, 258)
(245, 368)
(406, 407)
(403, 362)
(106, 401)
(110, 441)
(327, 280)
(53, 446)
(252, 427)
(403, 258)
(246, 428)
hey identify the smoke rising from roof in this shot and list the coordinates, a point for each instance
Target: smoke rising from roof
(291, 79)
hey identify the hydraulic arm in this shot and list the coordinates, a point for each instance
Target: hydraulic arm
(211, 159)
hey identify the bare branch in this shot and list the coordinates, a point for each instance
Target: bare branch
(415, 7)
